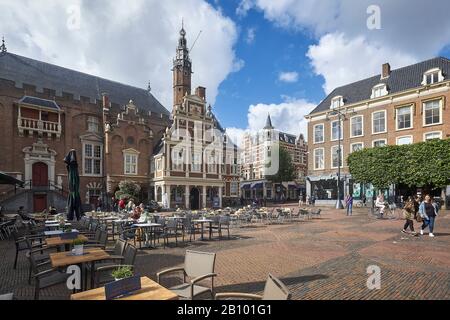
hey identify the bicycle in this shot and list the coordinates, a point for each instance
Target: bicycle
(389, 212)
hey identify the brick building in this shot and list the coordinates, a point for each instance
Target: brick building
(194, 164)
(258, 151)
(402, 106)
(48, 110)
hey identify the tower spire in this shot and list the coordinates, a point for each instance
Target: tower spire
(3, 46)
(268, 122)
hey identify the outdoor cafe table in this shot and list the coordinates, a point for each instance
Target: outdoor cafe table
(66, 258)
(202, 222)
(147, 230)
(57, 241)
(150, 290)
(56, 225)
(56, 233)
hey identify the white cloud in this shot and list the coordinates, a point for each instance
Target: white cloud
(347, 50)
(243, 7)
(127, 41)
(290, 76)
(250, 36)
(287, 116)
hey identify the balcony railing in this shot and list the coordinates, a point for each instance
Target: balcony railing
(39, 126)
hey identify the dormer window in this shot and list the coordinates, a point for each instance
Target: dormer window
(432, 76)
(337, 102)
(379, 90)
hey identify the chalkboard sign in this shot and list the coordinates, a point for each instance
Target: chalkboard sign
(122, 287)
(69, 235)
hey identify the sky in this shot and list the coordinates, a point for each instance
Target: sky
(254, 56)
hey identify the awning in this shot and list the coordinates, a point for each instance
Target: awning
(245, 187)
(258, 185)
(293, 187)
(7, 179)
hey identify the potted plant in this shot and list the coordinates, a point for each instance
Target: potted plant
(78, 245)
(122, 273)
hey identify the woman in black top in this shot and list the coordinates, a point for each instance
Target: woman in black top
(429, 212)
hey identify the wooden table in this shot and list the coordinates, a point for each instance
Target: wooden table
(57, 241)
(64, 259)
(56, 233)
(150, 291)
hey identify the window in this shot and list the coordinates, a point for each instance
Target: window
(404, 140)
(152, 166)
(432, 76)
(92, 124)
(336, 155)
(356, 124)
(337, 102)
(404, 117)
(130, 162)
(233, 188)
(432, 112)
(335, 130)
(379, 143)
(92, 159)
(177, 160)
(318, 133)
(269, 152)
(432, 135)
(212, 165)
(319, 159)
(379, 122)
(196, 162)
(357, 146)
(158, 165)
(379, 91)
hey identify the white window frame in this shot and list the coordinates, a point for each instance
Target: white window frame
(362, 126)
(403, 137)
(373, 142)
(177, 163)
(337, 102)
(342, 156)
(440, 112)
(92, 158)
(196, 166)
(132, 154)
(432, 132)
(411, 115)
(385, 122)
(355, 143)
(323, 159)
(382, 88)
(236, 189)
(430, 72)
(323, 133)
(95, 122)
(158, 164)
(331, 130)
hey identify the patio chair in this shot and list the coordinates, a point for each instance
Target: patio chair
(189, 227)
(316, 213)
(170, 229)
(116, 254)
(295, 215)
(273, 290)
(304, 214)
(103, 273)
(127, 232)
(223, 224)
(22, 244)
(99, 242)
(46, 278)
(198, 266)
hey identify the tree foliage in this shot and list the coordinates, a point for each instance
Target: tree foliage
(420, 164)
(285, 169)
(127, 190)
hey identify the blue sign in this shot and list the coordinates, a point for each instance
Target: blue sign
(122, 287)
(69, 235)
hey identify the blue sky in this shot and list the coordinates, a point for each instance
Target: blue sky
(315, 46)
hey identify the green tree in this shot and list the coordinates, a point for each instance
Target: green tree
(128, 189)
(421, 164)
(285, 169)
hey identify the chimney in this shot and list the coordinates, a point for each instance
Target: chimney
(386, 72)
(201, 92)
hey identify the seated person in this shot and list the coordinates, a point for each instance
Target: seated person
(136, 214)
(52, 211)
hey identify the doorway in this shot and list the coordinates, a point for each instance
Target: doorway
(40, 174)
(39, 202)
(195, 199)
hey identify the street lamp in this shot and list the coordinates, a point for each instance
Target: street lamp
(340, 115)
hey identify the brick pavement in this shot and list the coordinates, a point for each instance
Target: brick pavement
(323, 258)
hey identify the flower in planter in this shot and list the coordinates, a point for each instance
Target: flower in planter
(122, 273)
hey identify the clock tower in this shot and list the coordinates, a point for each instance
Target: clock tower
(182, 70)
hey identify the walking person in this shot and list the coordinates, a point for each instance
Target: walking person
(349, 204)
(409, 212)
(428, 211)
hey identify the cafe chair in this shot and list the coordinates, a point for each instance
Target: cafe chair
(44, 278)
(103, 272)
(198, 266)
(273, 290)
